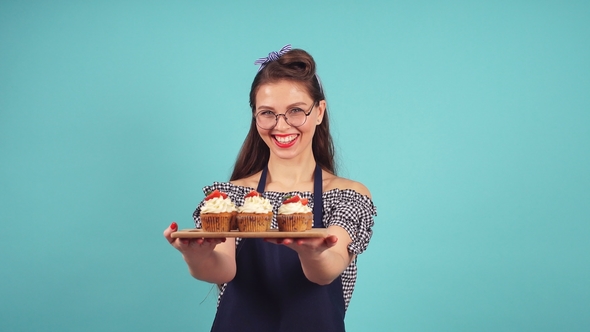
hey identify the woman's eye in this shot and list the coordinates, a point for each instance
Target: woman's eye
(296, 111)
(267, 114)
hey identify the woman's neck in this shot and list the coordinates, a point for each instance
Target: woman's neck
(291, 174)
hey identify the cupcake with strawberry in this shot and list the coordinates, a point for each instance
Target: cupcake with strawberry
(256, 213)
(217, 212)
(294, 215)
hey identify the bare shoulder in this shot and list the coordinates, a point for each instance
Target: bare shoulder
(332, 181)
(250, 181)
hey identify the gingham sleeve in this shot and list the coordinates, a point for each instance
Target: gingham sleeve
(235, 193)
(353, 212)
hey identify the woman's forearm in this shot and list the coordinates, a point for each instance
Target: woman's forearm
(211, 261)
(216, 268)
(323, 266)
(322, 269)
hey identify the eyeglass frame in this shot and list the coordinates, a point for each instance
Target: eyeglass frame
(285, 117)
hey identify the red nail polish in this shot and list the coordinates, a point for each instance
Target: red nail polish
(174, 226)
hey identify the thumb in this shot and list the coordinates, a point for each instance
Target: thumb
(331, 240)
(168, 231)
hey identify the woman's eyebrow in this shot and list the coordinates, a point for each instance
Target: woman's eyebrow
(299, 103)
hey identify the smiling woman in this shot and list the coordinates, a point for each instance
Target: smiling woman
(302, 284)
(287, 138)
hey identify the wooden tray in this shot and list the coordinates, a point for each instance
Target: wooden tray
(198, 233)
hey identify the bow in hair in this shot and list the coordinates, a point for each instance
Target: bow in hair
(272, 56)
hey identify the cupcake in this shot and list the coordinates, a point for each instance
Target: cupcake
(294, 215)
(256, 213)
(218, 212)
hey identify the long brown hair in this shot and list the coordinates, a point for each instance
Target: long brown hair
(297, 66)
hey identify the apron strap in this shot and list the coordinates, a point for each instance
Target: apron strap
(318, 203)
(262, 181)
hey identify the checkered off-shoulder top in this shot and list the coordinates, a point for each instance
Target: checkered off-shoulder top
(345, 208)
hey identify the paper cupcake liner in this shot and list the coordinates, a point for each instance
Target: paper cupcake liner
(216, 222)
(298, 222)
(234, 221)
(254, 222)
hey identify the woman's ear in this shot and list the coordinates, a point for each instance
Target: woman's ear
(321, 111)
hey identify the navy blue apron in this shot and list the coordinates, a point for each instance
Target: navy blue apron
(270, 293)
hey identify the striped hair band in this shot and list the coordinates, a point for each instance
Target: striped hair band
(272, 56)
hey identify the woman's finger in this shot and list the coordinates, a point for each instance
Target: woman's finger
(331, 240)
(168, 232)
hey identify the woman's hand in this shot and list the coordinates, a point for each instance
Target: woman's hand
(307, 246)
(210, 260)
(322, 259)
(191, 248)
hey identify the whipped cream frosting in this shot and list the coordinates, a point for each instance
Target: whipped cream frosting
(291, 208)
(256, 204)
(218, 205)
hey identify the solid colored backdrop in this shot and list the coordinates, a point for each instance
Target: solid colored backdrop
(467, 120)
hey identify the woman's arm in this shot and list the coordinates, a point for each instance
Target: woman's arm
(323, 259)
(211, 260)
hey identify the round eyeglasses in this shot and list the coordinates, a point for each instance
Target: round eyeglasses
(294, 117)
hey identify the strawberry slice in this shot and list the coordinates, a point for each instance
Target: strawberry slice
(252, 194)
(224, 195)
(214, 194)
(291, 199)
(304, 201)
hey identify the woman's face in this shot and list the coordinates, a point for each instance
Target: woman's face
(284, 140)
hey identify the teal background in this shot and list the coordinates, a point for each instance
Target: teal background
(467, 120)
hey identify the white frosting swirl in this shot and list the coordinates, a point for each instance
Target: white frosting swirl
(256, 204)
(291, 208)
(218, 205)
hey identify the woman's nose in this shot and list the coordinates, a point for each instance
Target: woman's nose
(282, 123)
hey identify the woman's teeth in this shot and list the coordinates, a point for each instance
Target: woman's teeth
(285, 139)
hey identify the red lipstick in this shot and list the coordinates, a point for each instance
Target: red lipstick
(285, 145)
